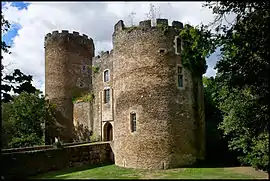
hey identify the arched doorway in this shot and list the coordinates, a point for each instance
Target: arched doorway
(108, 132)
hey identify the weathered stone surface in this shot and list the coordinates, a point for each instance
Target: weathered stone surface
(143, 79)
(82, 114)
(145, 82)
(28, 163)
(102, 113)
(67, 57)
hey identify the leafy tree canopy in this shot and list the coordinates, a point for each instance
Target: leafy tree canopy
(242, 78)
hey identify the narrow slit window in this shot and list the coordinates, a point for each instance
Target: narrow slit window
(180, 76)
(133, 121)
(106, 95)
(106, 75)
(178, 45)
(180, 80)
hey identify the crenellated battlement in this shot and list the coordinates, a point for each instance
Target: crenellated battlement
(66, 36)
(146, 25)
(103, 56)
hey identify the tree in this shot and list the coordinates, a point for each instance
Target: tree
(15, 82)
(242, 76)
(215, 142)
(24, 119)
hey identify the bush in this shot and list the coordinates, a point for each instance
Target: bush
(258, 157)
(25, 141)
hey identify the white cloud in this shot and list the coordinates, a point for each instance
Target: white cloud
(93, 19)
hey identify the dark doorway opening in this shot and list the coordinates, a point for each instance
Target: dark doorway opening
(108, 130)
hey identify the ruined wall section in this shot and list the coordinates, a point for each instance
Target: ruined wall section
(145, 72)
(67, 56)
(102, 112)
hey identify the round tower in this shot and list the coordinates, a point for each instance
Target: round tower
(68, 62)
(153, 93)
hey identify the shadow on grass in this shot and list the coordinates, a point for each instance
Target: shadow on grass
(54, 174)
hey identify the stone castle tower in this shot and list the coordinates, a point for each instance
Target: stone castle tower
(144, 100)
(65, 56)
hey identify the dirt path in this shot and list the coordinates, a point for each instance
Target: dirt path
(248, 171)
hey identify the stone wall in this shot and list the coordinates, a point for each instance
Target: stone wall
(145, 82)
(102, 112)
(82, 114)
(30, 163)
(68, 57)
(82, 120)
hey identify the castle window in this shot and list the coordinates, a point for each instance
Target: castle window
(180, 76)
(106, 95)
(106, 76)
(133, 122)
(162, 51)
(177, 45)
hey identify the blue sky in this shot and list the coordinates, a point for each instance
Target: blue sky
(32, 26)
(211, 61)
(14, 30)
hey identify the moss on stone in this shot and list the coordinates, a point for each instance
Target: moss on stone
(84, 98)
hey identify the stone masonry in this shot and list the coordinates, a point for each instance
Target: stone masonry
(143, 80)
(67, 56)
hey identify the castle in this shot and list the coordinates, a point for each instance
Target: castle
(143, 97)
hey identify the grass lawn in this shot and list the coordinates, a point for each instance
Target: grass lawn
(115, 172)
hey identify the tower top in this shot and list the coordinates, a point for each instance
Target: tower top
(75, 37)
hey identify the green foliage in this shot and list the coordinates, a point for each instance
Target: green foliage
(164, 28)
(197, 44)
(244, 125)
(84, 98)
(26, 140)
(23, 121)
(242, 76)
(95, 69)
(16, 82)
(260, 149)
(95, 138)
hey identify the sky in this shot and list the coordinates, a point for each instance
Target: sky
(31, 21)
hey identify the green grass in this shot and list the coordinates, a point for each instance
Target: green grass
(115, 172)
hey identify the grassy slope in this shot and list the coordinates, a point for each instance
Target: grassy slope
(112, 171)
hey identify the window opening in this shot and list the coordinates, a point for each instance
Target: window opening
(106, 75)
(180, 76)
(133, 121)
(106, 95)
(178, 45)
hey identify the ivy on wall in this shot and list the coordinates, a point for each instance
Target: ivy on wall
(197, 43)
(84, 98)
(164, 28)
(95, 69)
